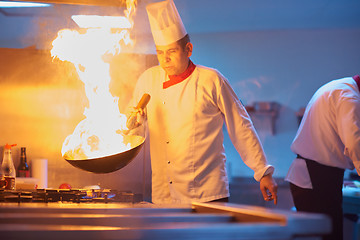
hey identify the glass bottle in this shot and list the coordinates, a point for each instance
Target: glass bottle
(2, 179)
(8, 169)
(23, 168)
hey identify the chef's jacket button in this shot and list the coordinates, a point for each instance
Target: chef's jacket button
(168, 162)
(170, 182)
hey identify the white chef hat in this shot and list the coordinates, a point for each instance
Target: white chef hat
(165, 22)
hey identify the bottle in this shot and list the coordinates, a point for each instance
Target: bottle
(8, 169)
(23, 168)
(2, 179)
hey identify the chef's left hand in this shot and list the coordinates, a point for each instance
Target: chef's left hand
(268, 188)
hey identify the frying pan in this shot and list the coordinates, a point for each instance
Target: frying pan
(113, 162)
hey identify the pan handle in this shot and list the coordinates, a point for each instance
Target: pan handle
(143, 101)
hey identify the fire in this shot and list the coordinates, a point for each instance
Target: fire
(96, 135)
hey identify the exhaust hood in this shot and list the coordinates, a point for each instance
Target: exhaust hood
(113, 3)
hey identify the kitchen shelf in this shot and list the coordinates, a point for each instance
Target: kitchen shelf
(268, 110)
(299, 114)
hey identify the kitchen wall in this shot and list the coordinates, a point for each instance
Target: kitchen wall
(270, 51)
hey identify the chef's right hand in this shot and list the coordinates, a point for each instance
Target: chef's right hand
(135, 118)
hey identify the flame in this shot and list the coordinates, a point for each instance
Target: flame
(95, 136)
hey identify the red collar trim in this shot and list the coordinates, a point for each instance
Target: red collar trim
(357, 80)
(174, 79)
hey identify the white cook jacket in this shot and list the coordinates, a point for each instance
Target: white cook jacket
(186, 137)
(329, 132)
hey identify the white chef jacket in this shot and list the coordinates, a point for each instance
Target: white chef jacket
(186, 136)
(329, 132)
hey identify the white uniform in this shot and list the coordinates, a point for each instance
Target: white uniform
(186, 135)
(329, 132)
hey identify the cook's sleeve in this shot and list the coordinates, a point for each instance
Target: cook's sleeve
(138, 89)
(241, 130)
(348, 124)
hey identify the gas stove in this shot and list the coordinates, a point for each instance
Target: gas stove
(69, 195)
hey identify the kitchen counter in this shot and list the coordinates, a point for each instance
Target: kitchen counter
(351, 208)
(148, 221)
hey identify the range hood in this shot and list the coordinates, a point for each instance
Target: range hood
(113, 3)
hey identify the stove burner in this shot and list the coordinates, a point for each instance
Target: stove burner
(69, 195)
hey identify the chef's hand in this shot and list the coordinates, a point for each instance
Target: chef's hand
(135, 118)
(268, 188)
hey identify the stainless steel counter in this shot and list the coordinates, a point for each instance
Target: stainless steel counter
(148, 221)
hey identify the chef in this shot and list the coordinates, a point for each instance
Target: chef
(189, 105)
(326, 143)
